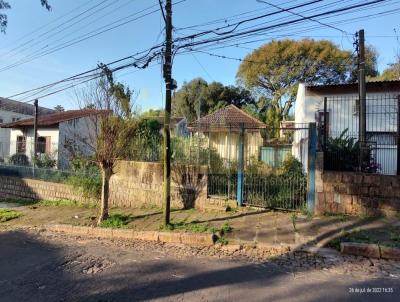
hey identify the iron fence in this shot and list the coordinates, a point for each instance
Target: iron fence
(346, 148)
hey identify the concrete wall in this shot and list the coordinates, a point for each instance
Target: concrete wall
(356, 193)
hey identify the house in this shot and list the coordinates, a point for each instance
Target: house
(342, 114)
(59, 135)
(222, 129)
(12, 111)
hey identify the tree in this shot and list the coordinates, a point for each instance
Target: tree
(208, 97)
(114, 101)
(275, 69)
(59, 108)
(3, 17)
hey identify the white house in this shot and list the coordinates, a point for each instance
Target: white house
(60, 135)
(12, 111)
(342, 113)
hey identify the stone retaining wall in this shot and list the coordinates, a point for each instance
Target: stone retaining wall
(135, 184)
(356, 193)
(15, 187)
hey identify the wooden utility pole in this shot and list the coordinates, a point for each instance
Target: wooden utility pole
(167, 117)
(362, 95)
(35, 134)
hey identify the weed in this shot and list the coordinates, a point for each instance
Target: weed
(6, 215)
(307, 212)
(338, 216)
(226, 228)
(222, 241)
(187, 227)
(116, 221)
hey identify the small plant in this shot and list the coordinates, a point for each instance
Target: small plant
(6, 215)
(226, 228)
(64, 203)
(307, 212)
(222, 241)
(116, 221)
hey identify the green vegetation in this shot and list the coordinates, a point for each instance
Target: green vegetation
(52, 203)
(19, 160)
(44, 161)
(7, 214)
(116, 221)
(389, 236)
(85, 177)
(222, 241)
(197, 227)
(338, 216)
(293, 218)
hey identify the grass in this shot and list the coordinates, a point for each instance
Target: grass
(6, 215)
(52, 203)
(116, 221)
(384, 237)
(196, 227)
(338, 216)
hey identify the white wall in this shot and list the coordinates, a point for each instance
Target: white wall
(341, 116)
(7, 117)
(29, 133)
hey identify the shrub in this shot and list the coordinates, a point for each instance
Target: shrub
(19, 160)
(85, 176)
(44, 161)
(291, 166)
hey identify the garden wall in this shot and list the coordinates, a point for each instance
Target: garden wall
(135, 184)
(24, 188)
(356, 193)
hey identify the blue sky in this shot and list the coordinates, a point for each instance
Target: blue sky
(27, 15)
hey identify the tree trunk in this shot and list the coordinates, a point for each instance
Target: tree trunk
(106, 173)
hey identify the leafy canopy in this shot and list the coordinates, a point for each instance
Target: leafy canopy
(208, 97)
(275, 69)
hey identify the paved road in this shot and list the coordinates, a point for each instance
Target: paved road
(50, 267)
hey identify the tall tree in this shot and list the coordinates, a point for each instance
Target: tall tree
(275, 69)
(207, 97)
(59, 108)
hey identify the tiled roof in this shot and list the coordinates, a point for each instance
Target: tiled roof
(22, 108)
(227, 117)
(55, 118)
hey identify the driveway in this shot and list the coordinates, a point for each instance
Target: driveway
(42, 266)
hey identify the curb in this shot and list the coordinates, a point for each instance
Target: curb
(167, 237)
(370, 250)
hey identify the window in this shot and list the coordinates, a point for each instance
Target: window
(1, 121)
(43, 145)
(321, 121)
(21, 144)
(14, 119)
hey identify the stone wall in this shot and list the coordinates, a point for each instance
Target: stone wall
(356, 193)
(23, 188)
(134, 184)
(137, 184)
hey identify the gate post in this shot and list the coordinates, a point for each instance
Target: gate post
(240, 175)
(312, 153)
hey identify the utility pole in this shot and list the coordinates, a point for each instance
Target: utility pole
(167, 117)
(35, 135)
(362, 95)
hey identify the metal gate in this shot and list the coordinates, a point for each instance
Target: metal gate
(277, 178)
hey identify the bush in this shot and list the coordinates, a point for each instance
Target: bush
(19, 159)
(116, 221)
(44, 161)
(85, 176)
(291, 166)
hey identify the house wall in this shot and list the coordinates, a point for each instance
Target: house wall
(7, 117)
(341, 116)
(76, 136)
(227, 144)
(29, 133)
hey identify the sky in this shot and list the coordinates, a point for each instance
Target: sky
(32, 29)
